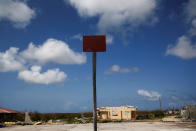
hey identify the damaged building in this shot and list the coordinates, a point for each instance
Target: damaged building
(117, 113)
(189, 112)
(7, 114)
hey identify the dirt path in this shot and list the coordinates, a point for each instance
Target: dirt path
(127, 126)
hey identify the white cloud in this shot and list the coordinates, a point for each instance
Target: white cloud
(190, 9)
(149, 95)
(109, 39)
(115, 68)
(53, 51)
(48, 77)
(77, 36)
(183, 48)
(18, 12)
(114, 14)
(118, 69)
(9, 60)
(192, 30)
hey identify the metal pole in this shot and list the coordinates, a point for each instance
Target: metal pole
(160, 103)
(94, 93)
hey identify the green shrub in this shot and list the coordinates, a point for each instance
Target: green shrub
(105, 121)
(151, 116)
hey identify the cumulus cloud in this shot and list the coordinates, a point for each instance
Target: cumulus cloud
(77, 36)
(190, 9)
(183, 48)
(17, 12)
(53, 51)
(9, 60)
(192, 30)
(149, 95)
(114, 14)
(48, 77)
(118, 69)
(190, 12)
(109, 39)
(50, 51)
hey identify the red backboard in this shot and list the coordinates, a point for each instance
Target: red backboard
(94, 43)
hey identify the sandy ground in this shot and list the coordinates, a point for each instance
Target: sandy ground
(127, 126)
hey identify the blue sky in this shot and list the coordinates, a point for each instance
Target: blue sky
(151, 53)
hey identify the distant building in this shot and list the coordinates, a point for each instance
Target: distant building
(189, 112)
(172, 112)
(117, 113)
(7, 114)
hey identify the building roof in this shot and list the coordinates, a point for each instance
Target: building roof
(124, 106)
(4, 110)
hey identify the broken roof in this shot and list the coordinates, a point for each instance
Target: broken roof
(4, 110)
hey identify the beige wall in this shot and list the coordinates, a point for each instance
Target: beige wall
(116, 113)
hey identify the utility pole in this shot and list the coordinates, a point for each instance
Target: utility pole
(160, 103)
